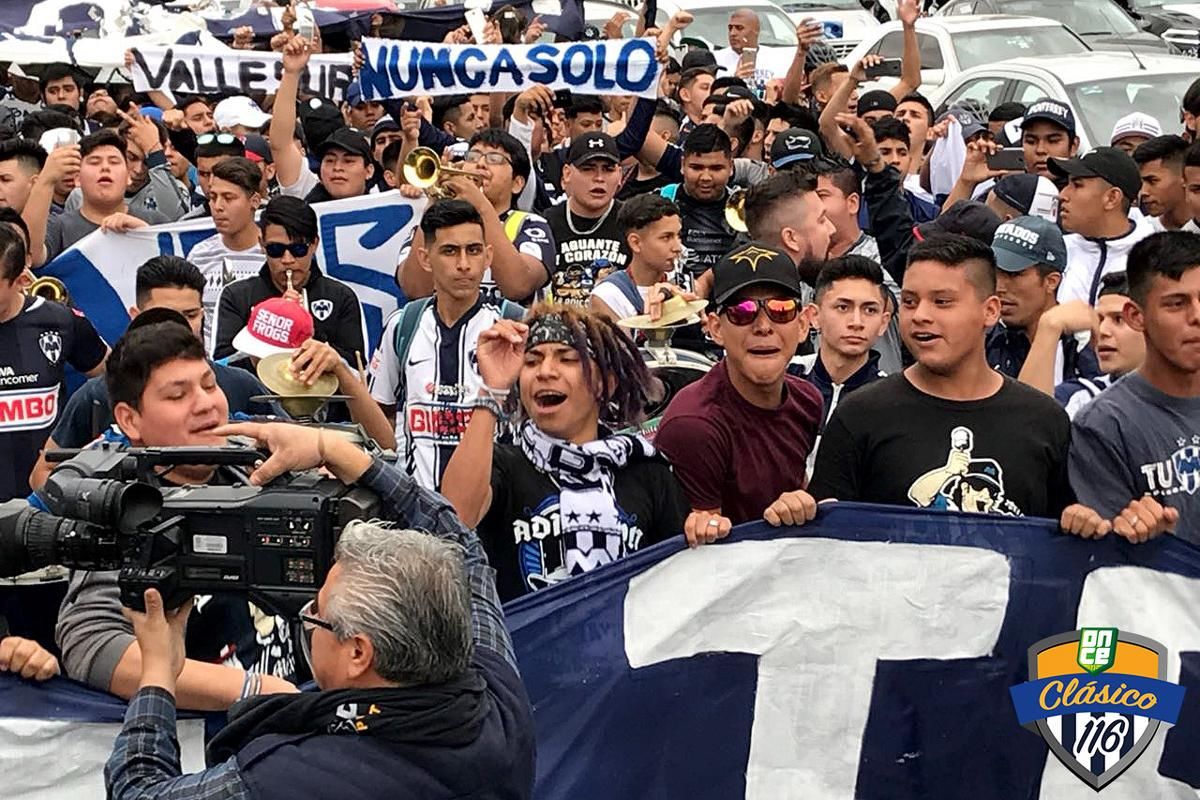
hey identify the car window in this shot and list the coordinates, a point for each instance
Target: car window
(1027, 92)
(892, 46)
(1099, 104)
(989, 46)
(712, 25)
(1085, 17)
(984, 91)
(965, 7)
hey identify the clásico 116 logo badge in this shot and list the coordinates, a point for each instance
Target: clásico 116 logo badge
(1097, 696)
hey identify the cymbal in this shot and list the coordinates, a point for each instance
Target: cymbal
(273, 372)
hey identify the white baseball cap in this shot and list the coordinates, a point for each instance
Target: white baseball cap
(1136, 124)
(239, 110)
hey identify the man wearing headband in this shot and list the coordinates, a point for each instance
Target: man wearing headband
(569, 495)
(740, 436)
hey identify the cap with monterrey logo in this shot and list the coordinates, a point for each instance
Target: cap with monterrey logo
(592, 146)
(1051, 111)
(1025, 242)
(275, 326)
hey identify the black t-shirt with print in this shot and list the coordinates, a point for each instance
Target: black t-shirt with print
(706, 236)
(891, 443)
(584, 259)
(521, 532)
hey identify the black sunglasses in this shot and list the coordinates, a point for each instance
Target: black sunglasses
(277, 249)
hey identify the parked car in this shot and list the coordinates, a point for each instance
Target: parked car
(846, 21)
(1102, 23)
(952, 44)
(1100, 87)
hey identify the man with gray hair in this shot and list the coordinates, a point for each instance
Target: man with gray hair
(420, 695)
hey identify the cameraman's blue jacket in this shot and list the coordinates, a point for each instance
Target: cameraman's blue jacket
(495, 763)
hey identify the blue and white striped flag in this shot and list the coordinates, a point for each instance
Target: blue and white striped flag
(360, 240)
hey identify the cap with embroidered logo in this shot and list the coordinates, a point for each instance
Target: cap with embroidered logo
(754, 264)
(1135, 124)
(275, 326)
(1025, 242)
(1107, 163)
(793, 146)
(591, 146)
(1051, 111)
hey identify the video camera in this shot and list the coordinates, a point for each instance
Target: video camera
(273, 543)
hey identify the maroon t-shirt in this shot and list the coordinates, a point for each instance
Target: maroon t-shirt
(733, 455)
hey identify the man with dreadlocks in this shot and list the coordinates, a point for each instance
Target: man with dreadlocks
(569, 495)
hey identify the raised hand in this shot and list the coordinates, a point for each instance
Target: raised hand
(501, 353)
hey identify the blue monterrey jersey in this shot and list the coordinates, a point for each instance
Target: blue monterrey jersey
(35, 347)
(434, 389)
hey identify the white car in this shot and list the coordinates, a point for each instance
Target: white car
(776, 38)
(846, 22)
(1100, 87)
(950, 45)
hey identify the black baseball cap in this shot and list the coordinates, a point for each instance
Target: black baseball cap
(593, 146)
(351, 140)
(1052, 111)
(964, 218)
(876, 100)
(795, 145)
(700, 58)
(730, 82)
(733, 92)
(1109, 163)
(319, 118)
(754, 264)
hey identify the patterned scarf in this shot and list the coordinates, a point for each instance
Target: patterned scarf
(587, 506)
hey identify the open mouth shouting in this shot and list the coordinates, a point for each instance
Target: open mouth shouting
(548, 399)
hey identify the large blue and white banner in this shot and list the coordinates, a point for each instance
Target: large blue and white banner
(398, 69)
(866, 655)
(360, 241)
(56, 736)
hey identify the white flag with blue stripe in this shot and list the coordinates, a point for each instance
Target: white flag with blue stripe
(360, 241)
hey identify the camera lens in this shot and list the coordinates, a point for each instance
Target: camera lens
(31, 539)
(124, 505)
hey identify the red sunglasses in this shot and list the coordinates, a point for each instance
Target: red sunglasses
(779, 310)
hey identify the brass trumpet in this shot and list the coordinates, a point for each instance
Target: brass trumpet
(50, 288)
(423, 169)
(735, 211)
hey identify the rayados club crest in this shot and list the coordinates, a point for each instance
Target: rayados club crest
(1097, 696)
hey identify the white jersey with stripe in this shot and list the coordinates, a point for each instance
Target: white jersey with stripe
(434, 389)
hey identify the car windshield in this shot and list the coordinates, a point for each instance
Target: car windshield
(712, 25)
(988, 46)
(1085, 17)
(1099, 104)
(819, 5)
